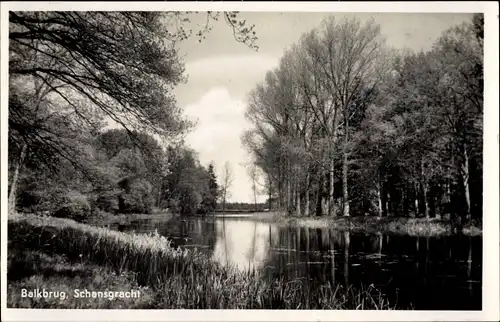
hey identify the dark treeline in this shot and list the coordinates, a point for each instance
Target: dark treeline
(70, 71)
(348, 126)
(117, 175)
(242, 207)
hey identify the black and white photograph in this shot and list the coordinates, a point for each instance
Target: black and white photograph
(249, 159)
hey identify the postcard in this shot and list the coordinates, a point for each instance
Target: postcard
(246, 161)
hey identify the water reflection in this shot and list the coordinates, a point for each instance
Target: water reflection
(245, 244)
(430, 273)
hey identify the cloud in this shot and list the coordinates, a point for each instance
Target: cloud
(237, 73)
(220, 124)
(215, 97)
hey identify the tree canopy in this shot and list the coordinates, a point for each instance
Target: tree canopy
(347, 125)
(71, 71)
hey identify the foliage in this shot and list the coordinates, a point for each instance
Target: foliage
(189, 188)
(209, 200)
(136, 196)
(346, 125)
(70, 73)
(108, 202)
(75, 206)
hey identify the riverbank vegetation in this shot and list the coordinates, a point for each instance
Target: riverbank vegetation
(347, 126)
(171, 278)
(93, 124)
(385, 225)
(340, 130)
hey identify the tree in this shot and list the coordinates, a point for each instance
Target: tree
(347, 59)
(209, 202)
(303, 105)
(404, 128)
(253, 174)
(186, 183)
(90, 65)
(227, 180)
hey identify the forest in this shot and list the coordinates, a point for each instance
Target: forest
(344, 126)
(370, 159)
(348, 126)
(70, 74)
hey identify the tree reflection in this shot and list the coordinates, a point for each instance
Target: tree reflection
(276, 251)
(347, 242)
(332, 255)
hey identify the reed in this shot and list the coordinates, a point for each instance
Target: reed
(180, 278)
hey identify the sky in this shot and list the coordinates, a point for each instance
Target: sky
(221, 72)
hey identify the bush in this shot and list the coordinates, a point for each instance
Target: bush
(136, 197)
(38, 199)
(75, 206)
(190, 201)
(174, 205)
(108, 202)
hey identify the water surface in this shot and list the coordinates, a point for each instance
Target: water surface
(428, 273)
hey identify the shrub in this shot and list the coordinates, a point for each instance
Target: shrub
(41, 200)
(174, 205)
(190, 200)
(136, 197)
(108, 202)
(75, 206)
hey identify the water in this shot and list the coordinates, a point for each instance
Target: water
(428, 273)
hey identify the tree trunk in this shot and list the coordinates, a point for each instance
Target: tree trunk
(224, 201)
(255, 196)
(297, 196)
(379, 199)
(331, 202)
(465, 179)
(345, 168)
(325, 202)
(280, 197)
(380, 245)
(306, 203)
(387, 203)
(12, 202)
(288, 189)
(319, 197)
(324, 205)
(417, 209)
(270, 192)
(331, 175)
(426, 202)
(424, 189)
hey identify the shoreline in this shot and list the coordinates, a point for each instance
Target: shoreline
(148, 260)
(109, 219)
(385, 225)
(369, 224)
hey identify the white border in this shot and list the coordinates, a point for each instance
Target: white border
(491, 194)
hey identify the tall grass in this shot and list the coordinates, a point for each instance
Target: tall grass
(30, 269)
(180, 278)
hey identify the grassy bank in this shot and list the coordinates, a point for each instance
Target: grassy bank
(108, 219)
(30, 269)
(391, 225)
(177, 278)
